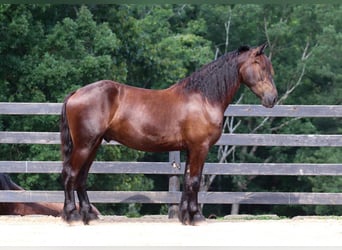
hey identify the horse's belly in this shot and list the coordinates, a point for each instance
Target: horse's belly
(150, 144)
(141, 139)
(154, 146)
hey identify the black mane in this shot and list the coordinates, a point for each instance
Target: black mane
(215, 79)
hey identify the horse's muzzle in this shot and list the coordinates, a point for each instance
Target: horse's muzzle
(269, 101)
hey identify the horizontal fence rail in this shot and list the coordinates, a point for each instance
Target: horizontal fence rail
(226, 139)
(242, 110)
(165, 168)
(161, 197)
(14, 108)
(285, 110)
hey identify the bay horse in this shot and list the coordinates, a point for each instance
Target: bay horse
(28, 208)
(186, 116)
(19, 208)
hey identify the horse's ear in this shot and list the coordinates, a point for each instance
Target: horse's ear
(261, 48)
(243, 48)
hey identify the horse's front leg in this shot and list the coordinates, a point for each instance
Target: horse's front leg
(189, 210)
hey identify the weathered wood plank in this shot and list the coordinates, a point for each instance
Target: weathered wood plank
(174, 197)
(280, 140)
(285, 110)
(283, 198)
(95, 196)
(13, 108)
(31, 196)
(97, 167)
(165, 168)
(47, 167)
(296, 169)
(49, 138)
(226, 139)
(29, 137)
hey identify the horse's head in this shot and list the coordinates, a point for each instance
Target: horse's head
(256, 72)
(7, 184)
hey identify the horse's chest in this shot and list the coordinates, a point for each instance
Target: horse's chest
(204, 125)
(212, 117)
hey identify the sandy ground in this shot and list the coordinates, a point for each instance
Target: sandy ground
(160, 231)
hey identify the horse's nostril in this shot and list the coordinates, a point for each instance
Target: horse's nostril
(269, 100)
(274, 100)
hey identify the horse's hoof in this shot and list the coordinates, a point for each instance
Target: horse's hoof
(197, 219)
(186, 219)
(183, 217)
(88, 216)
(71, 216)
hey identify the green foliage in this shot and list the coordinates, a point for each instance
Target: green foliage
(46, 51)
(185, 53)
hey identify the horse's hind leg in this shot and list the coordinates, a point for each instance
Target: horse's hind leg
(86, 211)
(75, 177)
(70, 212)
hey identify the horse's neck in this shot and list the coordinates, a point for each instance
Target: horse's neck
(221, 74)
(229, 70)
(231, 81)
(230, 95)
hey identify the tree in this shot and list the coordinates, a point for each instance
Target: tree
(46, 51)
(54, 61)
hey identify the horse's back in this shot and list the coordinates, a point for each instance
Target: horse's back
(93, 93)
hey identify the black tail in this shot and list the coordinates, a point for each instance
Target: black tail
(66, 141)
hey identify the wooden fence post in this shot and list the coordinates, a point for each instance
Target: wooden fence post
(174, 183)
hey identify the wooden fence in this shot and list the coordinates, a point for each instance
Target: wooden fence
(164, 168)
